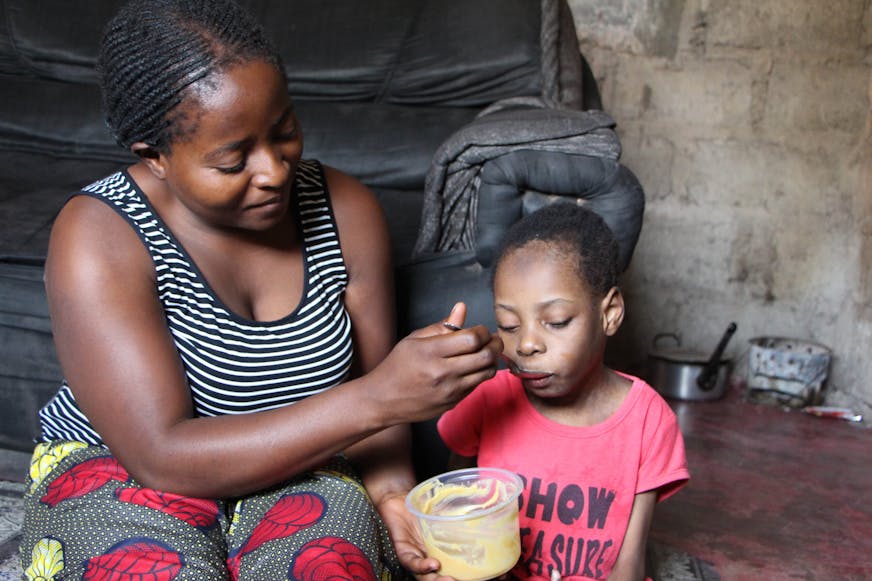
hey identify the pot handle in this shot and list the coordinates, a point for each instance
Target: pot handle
(660, 336)
(708, 377)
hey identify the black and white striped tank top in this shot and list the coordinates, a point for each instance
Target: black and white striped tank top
(235, 365)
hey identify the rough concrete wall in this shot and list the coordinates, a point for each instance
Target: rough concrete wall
(748, 123)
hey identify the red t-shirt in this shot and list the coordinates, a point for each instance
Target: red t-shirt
(579, 482)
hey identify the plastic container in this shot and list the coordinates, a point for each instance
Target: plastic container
(469, 521)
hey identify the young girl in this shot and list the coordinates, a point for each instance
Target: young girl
(596, 448)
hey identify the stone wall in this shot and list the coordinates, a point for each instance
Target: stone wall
(748, 124)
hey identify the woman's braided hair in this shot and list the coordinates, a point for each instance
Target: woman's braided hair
(152, 51)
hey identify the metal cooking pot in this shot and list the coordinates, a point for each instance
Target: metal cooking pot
(689, 375)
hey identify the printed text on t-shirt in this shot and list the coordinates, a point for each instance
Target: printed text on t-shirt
(571, 554)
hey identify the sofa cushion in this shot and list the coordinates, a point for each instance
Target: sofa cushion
(56, 47)
(471, 65)
(407, 51)
(66, 119)
(29, 370)
(33, 188)
(332, 50)
(337, 50)
(305, 33)
(381, 144)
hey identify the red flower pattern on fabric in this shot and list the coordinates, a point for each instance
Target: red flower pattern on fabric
(84, 478)
(293, 512)
(331, 558)
(135, 560)
(198, 512)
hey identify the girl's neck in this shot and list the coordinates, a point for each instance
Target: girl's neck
(601, 396)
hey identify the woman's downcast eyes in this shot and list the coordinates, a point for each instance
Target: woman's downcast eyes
(289, 135)
(233, 169)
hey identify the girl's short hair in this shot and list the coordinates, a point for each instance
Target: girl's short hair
(153, 50)
(574, 229)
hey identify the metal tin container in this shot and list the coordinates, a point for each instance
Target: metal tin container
(790, 371)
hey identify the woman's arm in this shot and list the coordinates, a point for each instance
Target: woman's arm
(630, 565)
(116, 352)
(383, 458)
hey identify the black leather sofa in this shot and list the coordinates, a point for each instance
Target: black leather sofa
(462, 115)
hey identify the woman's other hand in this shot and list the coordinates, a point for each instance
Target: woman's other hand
(407, 540)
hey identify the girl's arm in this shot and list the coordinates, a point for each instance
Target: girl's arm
(630, 565)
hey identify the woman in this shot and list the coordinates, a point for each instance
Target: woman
(223, 315)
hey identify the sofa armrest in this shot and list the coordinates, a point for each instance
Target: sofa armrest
(520, 182)
(510, 162)
(490, 174)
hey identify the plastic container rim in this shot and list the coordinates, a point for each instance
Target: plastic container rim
(511, 476)
(759, 340)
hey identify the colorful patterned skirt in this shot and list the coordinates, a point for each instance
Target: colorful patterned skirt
(86, 518)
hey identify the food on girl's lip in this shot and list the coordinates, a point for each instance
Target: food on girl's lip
(517, 371)
(530, 374)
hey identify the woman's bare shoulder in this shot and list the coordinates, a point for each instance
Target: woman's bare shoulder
(359, 215)
(90, 239)
(347, 192)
